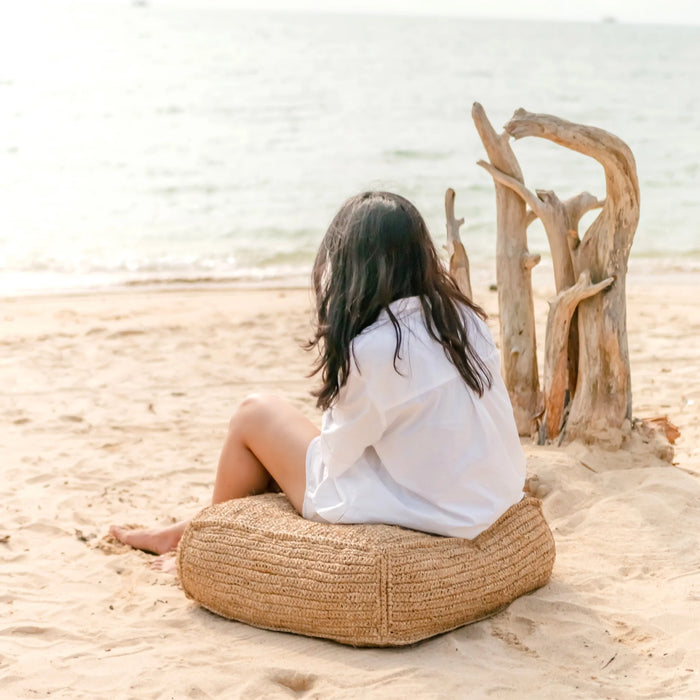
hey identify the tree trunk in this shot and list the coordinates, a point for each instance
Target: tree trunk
(513, 275)
(603, 398)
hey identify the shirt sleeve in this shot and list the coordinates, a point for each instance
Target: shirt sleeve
(350, 426)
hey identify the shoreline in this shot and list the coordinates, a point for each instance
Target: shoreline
(671, 270)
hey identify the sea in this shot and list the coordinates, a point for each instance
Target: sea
(149, 144)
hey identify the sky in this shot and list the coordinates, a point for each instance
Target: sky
(642, 11)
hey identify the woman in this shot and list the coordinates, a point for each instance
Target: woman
(417, 427)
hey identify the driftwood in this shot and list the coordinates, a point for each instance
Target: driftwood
(459, 261)
(513, 275)
(586, 381)
(602, 400)
(560, 221)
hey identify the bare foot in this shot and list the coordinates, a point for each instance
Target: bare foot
(156, 540)
(165, 563)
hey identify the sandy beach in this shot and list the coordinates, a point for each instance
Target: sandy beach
(113, 409)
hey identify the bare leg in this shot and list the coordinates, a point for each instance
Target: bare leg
(267, 441)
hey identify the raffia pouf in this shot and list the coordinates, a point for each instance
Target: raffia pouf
(256, 560)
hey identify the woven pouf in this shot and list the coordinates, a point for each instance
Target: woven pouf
(256, 560)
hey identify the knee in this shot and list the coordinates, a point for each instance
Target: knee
(252, 408)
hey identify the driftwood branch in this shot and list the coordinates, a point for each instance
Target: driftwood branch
(610, 151)
(529, 260)
(530, 216)
(515, 185)
(556, 384)
(459, 261)
(497, 144)
(513, 269)
(580, 204)
(574, 208)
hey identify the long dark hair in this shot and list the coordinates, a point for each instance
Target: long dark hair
(377, 250)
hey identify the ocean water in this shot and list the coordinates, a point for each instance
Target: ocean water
(142, 143)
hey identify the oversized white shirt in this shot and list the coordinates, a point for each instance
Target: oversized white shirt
(417, 447)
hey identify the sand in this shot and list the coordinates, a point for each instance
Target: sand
(113, 409)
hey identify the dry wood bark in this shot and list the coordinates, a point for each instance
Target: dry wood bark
(603, 398)
(459, 262)
(557, 340)
(560, 221)
(513, 275)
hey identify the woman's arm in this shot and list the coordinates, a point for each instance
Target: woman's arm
(351, 425)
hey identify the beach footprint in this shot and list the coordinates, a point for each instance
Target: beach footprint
(293, 680)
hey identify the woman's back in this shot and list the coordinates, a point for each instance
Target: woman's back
(414, 445)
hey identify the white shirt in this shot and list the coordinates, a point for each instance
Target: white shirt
(417, 447)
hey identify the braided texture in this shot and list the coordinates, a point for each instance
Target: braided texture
(257, 561)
